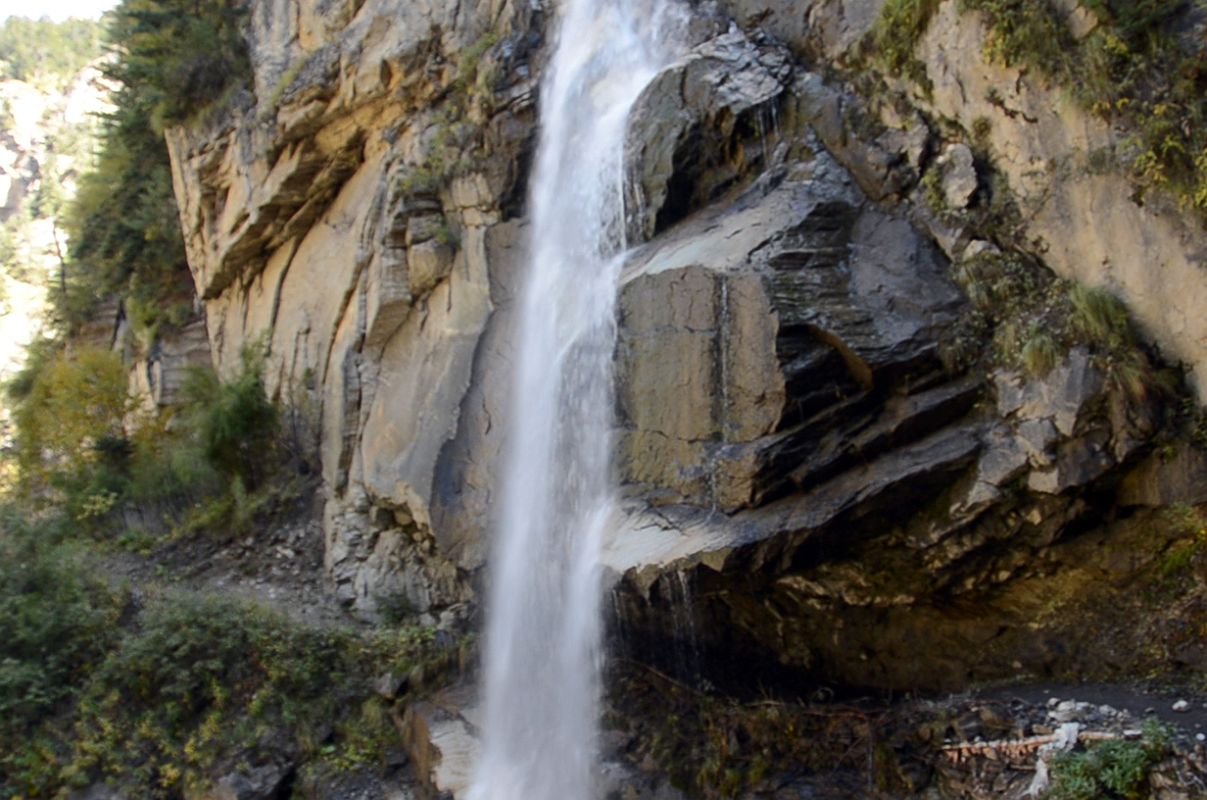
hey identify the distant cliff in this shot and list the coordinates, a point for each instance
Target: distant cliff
(46, 138)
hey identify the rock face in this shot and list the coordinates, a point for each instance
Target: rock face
(1086, 222)
(808, 479)
(350, 214)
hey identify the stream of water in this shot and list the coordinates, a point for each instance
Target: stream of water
(542, 645)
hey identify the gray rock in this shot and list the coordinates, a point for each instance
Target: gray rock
(256, 783)
(959, 181)
(689, 117)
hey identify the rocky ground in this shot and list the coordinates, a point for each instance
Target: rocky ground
(667, 737)
(996, 743)
(278, 567)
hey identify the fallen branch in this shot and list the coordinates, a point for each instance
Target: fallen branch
(1014, 749)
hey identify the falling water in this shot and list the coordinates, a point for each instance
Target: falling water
(543, 630)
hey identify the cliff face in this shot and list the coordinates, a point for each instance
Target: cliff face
(805, 467)
(353, 216)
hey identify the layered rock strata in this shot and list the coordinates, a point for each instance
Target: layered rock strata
(807, 479)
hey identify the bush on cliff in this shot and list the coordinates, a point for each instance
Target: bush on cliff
(233, 421)
(215, 465)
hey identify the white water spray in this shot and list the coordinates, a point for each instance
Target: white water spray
(543, 632)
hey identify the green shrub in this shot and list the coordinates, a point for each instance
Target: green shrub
(1033, 319)
(1112, 770)
(1040, 353)
(55, 624)
(1132, 69)
(1100, 315)
(43, 49)
(1025, 32)
(180, 55)
(233, 421)
(66, 405)
(155, 702)
(175, 59)
(203, 678)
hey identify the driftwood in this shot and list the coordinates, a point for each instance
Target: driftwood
(1014, 749)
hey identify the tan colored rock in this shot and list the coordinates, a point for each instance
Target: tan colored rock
(1088, 226)
(428, 263)
(1079, 19)
(425, 371)
(306, 228)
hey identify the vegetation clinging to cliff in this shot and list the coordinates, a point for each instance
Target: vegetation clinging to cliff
(901, 24)
(1134, 68)
(173, 60)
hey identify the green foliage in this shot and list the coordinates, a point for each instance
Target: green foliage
(174, 59)
(1112, 770)
(68, 404)
(458, 126)
(1132, 70)
(898, 28)
(932, 191)
(54, 625)
(1040, 353)
(474, 77)
(1189, 525)
(234, 421)
(1033, 319)
(156, 696)
(33, 50)
(179, 55)
(216, 466)
(123, 226)
(1100, 315)
(158, 705)
(1025, 32)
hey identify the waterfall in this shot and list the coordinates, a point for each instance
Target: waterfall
(541, 658)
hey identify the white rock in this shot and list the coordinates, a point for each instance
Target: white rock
(1039, 784)
(979, 247)
(959, 175)
(1181, 706)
